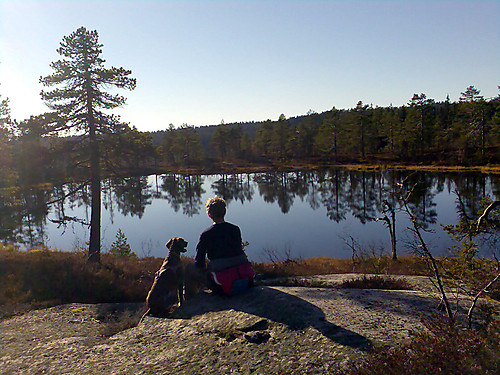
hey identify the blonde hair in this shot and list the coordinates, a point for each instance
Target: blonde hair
(216, 207)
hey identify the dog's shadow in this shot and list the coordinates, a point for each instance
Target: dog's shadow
(277, 306)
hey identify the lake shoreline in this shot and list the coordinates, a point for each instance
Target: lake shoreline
(234, 168)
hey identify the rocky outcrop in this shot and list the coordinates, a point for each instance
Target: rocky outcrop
(268, 330)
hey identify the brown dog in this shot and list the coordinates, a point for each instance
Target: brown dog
(168, 287)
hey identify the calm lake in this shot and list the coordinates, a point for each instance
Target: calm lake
(298, 214)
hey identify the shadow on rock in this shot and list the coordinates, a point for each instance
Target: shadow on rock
(277, 306)
(116, 317)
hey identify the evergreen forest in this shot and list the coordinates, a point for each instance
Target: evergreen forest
(424, 131)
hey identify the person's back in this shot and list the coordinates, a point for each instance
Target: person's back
(222, 244)
(219, 241)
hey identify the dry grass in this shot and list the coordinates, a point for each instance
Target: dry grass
(44, 278)
(377, 282)
(409, 265)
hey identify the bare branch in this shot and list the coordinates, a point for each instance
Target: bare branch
(71, 192)
(65, 219)
(484, 216)
(476, 297)
(428, 255)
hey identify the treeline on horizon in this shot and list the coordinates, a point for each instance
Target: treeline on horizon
(466, 133)
(424, 131)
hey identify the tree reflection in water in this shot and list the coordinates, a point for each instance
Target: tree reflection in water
(26, 212)
(236, 187)
(183, 191)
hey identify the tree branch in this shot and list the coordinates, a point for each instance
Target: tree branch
(476, 297)
(486, 212)
(71, 192)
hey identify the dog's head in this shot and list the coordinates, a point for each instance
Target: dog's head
(177, 244)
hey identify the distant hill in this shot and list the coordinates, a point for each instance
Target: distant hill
(250, 128)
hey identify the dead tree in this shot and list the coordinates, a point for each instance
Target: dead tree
(425, 252)
(480, 221)
(391, 225)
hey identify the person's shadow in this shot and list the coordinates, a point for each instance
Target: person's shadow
(276, 306)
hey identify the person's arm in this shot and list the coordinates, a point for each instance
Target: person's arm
(201, 253)
(240, 241)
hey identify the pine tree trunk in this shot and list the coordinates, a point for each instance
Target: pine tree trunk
(95, 181)
(95, 193)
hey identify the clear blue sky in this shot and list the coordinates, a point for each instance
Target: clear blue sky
(200, 62)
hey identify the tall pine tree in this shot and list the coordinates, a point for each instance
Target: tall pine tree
(5, 147)
(473, 109)
(79, 98)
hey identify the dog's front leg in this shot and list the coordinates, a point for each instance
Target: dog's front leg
(180, 287)
(180, 293)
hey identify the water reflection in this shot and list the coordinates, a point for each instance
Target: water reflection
(236, 187)
(352, 199)
(183, 191)
(130, 196)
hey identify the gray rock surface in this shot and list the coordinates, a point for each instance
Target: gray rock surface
(268, 330)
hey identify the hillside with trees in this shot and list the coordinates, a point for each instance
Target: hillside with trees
(465, 133)
(462, 133)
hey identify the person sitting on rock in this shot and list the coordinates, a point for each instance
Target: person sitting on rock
(229, 271)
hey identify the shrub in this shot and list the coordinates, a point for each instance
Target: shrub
(474, 274)
(441, 349)
(41, 278)
(377, 282)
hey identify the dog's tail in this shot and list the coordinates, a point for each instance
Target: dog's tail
(143, 316)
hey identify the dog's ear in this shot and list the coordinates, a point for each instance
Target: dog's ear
(170, 243)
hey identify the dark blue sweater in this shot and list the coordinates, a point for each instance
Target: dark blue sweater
(222, 240)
